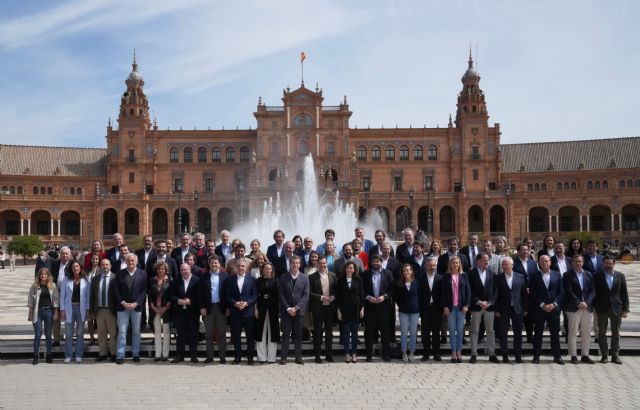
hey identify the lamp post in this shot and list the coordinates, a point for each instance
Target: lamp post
(179, 190)
(412, 192)
(196, 196)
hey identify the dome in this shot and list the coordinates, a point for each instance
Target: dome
(471, 73)
(135, 76)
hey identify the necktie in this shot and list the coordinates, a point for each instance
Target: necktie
(473, 257)
(104, 290)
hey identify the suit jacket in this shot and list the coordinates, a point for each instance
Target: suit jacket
(315, 291)
(192, 292)
(46, 264)
(349, 300)
(517, 295)
(165, 298)
(464, 291)
(176, 254)
(272, 252)
(291, 295)
(532, 266)
(443, 263)
(115, 261)
(614, 300)
(95, 290)
(540, 294)
(408, 300)
(426, 294)
(249, 294)
(481, 292)
(138, 292)
(55, 270)
(387, 287)
(403, 252)
(66, 293)
(173, 273)
(466, 251)
(280, 266)
(267, 304)
(556, 266)
(574, 294)
(375, 250)
(418, 268)
(495, 263)
(205, 290)
(588, 264)
(140, 254)
(218, 251)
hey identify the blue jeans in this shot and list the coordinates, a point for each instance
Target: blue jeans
(350, 331)
(408, 324)
(43, 316)
(124, 317)
(77, 323)
(456, 329)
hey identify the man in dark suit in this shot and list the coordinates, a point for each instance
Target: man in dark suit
(199, 244)
(213, 309)
(224, 249)
(611, 302)
(293, 292)
(559, 261)
(160, 255)
(347, 255)
(577, 305)
(305, 253)
(282, 265)
(525, 266)
(241, 295)
(146, 252)
(210, 249)
(429, 289)
(443, 260)
(483, 297)
(103, 310)
(190, 259)
(547, 294)
(392, 265)
(178, 254)
(418, 260)
(380, 238)
(275, 251)
(378, 289)
(185, 299)
(593, 261)
(113, 254)
(404, 250)
(130, 292)
(511, 305)
(322, 294)
(471, 250)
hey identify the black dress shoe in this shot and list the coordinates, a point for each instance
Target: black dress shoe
(505, 359)
(437, 358)
(519, 359)
(49, 359)
(299, 360)
(236, 361)
(119, 361)
(424, 358)
(223, 360)
(112, 359)
(164, 359)
(473, 359)
(283, 361)
(454, 360)
(329, 359)
(250, 361)
(386, 359)
(586, 359)
(459, 360)
(559, 361)
(194, 359)
(493, 359)
(101, 358)
(464, 340)
(56, 343)
(574, 360)
(616, 360)
(136, 359)
(318, 359)
(177, 359)
(35, 360)
(604, 359)
(443, 340)
(208, 360)
(536, 360)
(369, 359)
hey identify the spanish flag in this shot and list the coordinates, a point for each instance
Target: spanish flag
(302, 56)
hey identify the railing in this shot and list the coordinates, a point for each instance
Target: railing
(332, 108)
(274, 108)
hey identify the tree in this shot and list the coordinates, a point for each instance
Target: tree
(26, 245)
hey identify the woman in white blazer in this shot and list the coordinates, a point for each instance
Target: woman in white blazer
(74, 309)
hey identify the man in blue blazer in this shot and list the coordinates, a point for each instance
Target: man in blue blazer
(130, 295)
(524, 265)
(275, 251)
(404, 250)
(547, 294)
(593, 261)
(511, 305)
(293, 292)
(185, 299)
(578, 300)
(378, 287)
(241, 295)
(213, 309)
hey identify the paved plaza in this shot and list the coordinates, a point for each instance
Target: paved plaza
(336, 385)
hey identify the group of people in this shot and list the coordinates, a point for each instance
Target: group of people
(273, 296)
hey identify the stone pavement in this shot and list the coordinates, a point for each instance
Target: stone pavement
(337, 385)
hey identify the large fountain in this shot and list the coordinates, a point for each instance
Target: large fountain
(307, 214)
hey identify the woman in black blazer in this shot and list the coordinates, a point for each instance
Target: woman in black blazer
(406, 297)
(160, 310)
(455, 298)
(350, 305)
(267, 334)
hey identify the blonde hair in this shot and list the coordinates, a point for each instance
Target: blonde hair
(36, 283)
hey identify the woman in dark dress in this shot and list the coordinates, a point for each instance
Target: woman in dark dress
(350, 305)
(267, 334)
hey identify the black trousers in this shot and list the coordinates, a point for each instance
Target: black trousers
(552, 319)
(323, 320)
(506, 318)
(291, 325)
(430, 330)
(603, 321)
(187, 333)
(237, 324)
(376, 319)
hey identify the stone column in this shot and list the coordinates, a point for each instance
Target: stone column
(28, 226)
(620, 222)
(21, 226)
(580, 223)
(550, 224)
(59, 230)
(52, 227)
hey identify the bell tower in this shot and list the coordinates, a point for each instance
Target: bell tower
(471, 102)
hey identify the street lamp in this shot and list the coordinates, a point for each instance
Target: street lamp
(412, 192)
(196, 196)
(179, 191)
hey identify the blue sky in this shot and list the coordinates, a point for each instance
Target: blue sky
(550, 70)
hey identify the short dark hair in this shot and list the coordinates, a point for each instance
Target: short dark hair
(480, 255)
(331, 231)
(609, 257)
(375, 256)
(214, 257)
(592, 242)
(520, 245)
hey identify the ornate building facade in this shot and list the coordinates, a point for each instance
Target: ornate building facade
(451, 180)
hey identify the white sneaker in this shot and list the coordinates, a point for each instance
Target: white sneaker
(411, 357)
(67, 360)
(79, 359)
(404, 357)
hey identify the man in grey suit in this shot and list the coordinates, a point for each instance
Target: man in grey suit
(511, 306)
(293, 291)
(495, 262)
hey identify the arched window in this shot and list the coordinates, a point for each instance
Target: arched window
(65, 191)
(78, 191)
(303, 148)
(5, 189)
(173, 154)
(303, 121)
(536, 187)
(19, 190)
(42, 190)
(202, 154)
(559, 186)
(597, 185)
(231, 154)
(605, 184)
(188, 154)
(621, 184)
(375, 153)
(72, 191)
(215, 155)
(574, 186)
(630, 183)
(433, 152)
(12, 190)
(244, 154)
(543, 187)
(530, 187)
(361, 153)
(391, 153)
(566, 186)
(590, 185)
(404, 153)
(35, 190)
(49, 190)
(417, 152)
